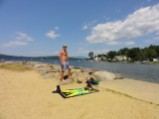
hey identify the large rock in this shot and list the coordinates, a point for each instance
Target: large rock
(104, 75)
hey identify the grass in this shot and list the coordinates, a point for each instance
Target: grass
(15, 67)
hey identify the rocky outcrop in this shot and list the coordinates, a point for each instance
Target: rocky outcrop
(104, 75)
(79, 74)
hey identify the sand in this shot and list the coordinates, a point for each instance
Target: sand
(142, 90)
(26, 95)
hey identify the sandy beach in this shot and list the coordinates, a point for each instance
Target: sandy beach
(27, 95)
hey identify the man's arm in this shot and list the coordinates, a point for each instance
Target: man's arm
(60, 57)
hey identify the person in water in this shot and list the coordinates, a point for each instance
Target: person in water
(64, 62)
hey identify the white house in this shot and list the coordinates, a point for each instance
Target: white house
(121, 58)
(155, 60)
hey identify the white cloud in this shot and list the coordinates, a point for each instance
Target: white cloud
(22, 36)
(142, 22)
(114, 43)
(84, 27)
(22, 39)
(52, 34)
(15, 43)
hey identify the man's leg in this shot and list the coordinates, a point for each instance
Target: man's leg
(57, 89)
(62, 75)
(69, 72)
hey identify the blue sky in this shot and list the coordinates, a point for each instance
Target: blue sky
(41, 27)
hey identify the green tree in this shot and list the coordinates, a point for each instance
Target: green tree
(134, 54)
(102, 56)
(111, 54)
(91, 55)
(156, 48)
(123, 51)
(144, 54)
(152, 54)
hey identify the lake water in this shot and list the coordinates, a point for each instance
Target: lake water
(147, 72)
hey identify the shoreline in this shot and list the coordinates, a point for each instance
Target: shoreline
(142, 74)
(28, 94)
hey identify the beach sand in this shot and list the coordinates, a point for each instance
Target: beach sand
(145, 91)
(26, 95)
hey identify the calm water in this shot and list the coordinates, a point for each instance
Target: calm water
(148, 72)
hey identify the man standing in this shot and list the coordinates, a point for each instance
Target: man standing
(64, 62)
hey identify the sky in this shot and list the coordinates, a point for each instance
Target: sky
(41, 27)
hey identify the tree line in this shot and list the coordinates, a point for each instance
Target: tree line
(131, 54)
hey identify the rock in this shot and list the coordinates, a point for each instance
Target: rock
(79, 81)
(38, 65)
(79, 76)
(104, 75)
(44, 70)
(118, 76)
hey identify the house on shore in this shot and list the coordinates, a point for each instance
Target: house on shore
(121, 58)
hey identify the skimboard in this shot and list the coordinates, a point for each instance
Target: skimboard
(75, 92)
